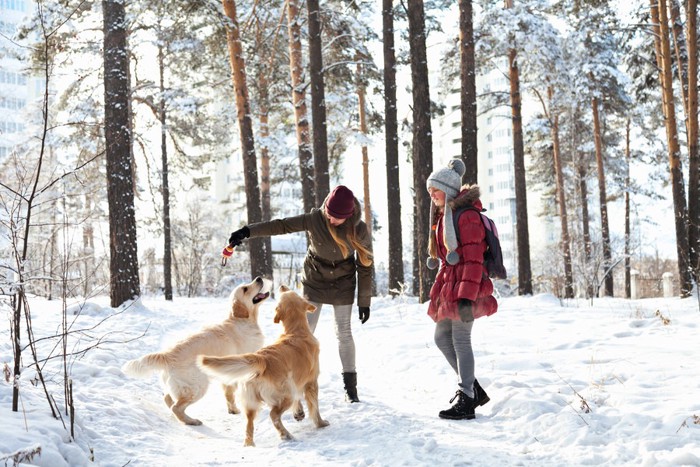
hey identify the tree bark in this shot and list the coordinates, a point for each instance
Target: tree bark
(585, 221)
(318, 103)
(396, 277)
(693, 156)
(522, 227)
(468, 91)
(659, 16)
(165, 186)
(603, 199)
(561, 199)
(296, 69)
(365, 156)
(422, 143)
(628, 234)
(124, 263)
(260, 248)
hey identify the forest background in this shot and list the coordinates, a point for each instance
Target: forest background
(144, 108)
(312, 95)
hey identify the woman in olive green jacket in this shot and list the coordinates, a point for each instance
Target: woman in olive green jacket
(338, 260)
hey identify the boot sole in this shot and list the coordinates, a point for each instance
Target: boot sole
(483, 401)
(448, 417)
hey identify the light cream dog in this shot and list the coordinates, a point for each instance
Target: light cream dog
(278, 375)
(183, 382)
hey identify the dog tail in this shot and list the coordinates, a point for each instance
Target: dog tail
(143, 366)
(232, 368)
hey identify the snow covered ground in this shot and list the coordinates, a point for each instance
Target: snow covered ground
(615, 382)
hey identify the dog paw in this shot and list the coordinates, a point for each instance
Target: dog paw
(249, 443)
(234, 410)
(194, 422)
(322, 423)
(299, 414)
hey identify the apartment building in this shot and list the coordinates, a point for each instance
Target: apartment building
(17, 88)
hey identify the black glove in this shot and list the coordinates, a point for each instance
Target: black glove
(364, 313)
(465, 310)
(238, 236)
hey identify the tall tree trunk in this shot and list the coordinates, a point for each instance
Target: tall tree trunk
(658, 11)
(265, 167)
(361, 92)
(165, 186)
(603, 199)
(365, 156)
(124, 263)
(422, 140)
(524, 269)
(467, 76)
(296, 69)
(561, 199)
(318, 103)
(260, 248)
(693, 157)
(679, 46)
(585, 222)
(391, 132)
(628, 234)
(263, 118)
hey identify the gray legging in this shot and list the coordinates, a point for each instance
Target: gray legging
(454, 339)
(343, 331)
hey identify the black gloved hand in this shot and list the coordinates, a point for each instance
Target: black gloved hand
(364, 313)
(464, 308)
(238, 236)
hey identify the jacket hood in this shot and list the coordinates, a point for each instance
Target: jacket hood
(468, 196)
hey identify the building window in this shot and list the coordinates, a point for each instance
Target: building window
(16, 5)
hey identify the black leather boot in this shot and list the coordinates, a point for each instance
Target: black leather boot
(463, 409)
(480, 395)
(350, 381)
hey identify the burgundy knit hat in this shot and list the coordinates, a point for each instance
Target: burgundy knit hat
(340, 203)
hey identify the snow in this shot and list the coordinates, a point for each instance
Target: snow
(571, 383)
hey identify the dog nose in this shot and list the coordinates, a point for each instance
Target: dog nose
(258, 279)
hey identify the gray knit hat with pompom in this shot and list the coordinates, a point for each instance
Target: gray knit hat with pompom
(449, 180)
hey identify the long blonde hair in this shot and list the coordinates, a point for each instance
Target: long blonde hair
(432, 238)
(363, 253)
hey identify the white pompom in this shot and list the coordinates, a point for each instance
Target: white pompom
(432, 263)
(458, 166)
(452, 257)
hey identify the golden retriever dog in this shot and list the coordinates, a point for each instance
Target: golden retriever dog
(183, 382)
(279, 374)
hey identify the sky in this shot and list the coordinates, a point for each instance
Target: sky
(571, 382)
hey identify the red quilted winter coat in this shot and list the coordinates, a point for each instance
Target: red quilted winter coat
(468, 278)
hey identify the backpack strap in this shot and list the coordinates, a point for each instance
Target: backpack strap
(458, 212)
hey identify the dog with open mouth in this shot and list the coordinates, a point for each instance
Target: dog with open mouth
(184, 383)
(280, 374)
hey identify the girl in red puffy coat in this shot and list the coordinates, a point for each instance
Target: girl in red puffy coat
(462, 290)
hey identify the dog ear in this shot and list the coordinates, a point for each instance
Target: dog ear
(284, 288)
(310, 308)
(240, 310)
(277, 315)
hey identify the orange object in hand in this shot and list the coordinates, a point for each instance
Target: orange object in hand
(226, 254)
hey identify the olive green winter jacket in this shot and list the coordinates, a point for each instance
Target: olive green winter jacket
(328, 277)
